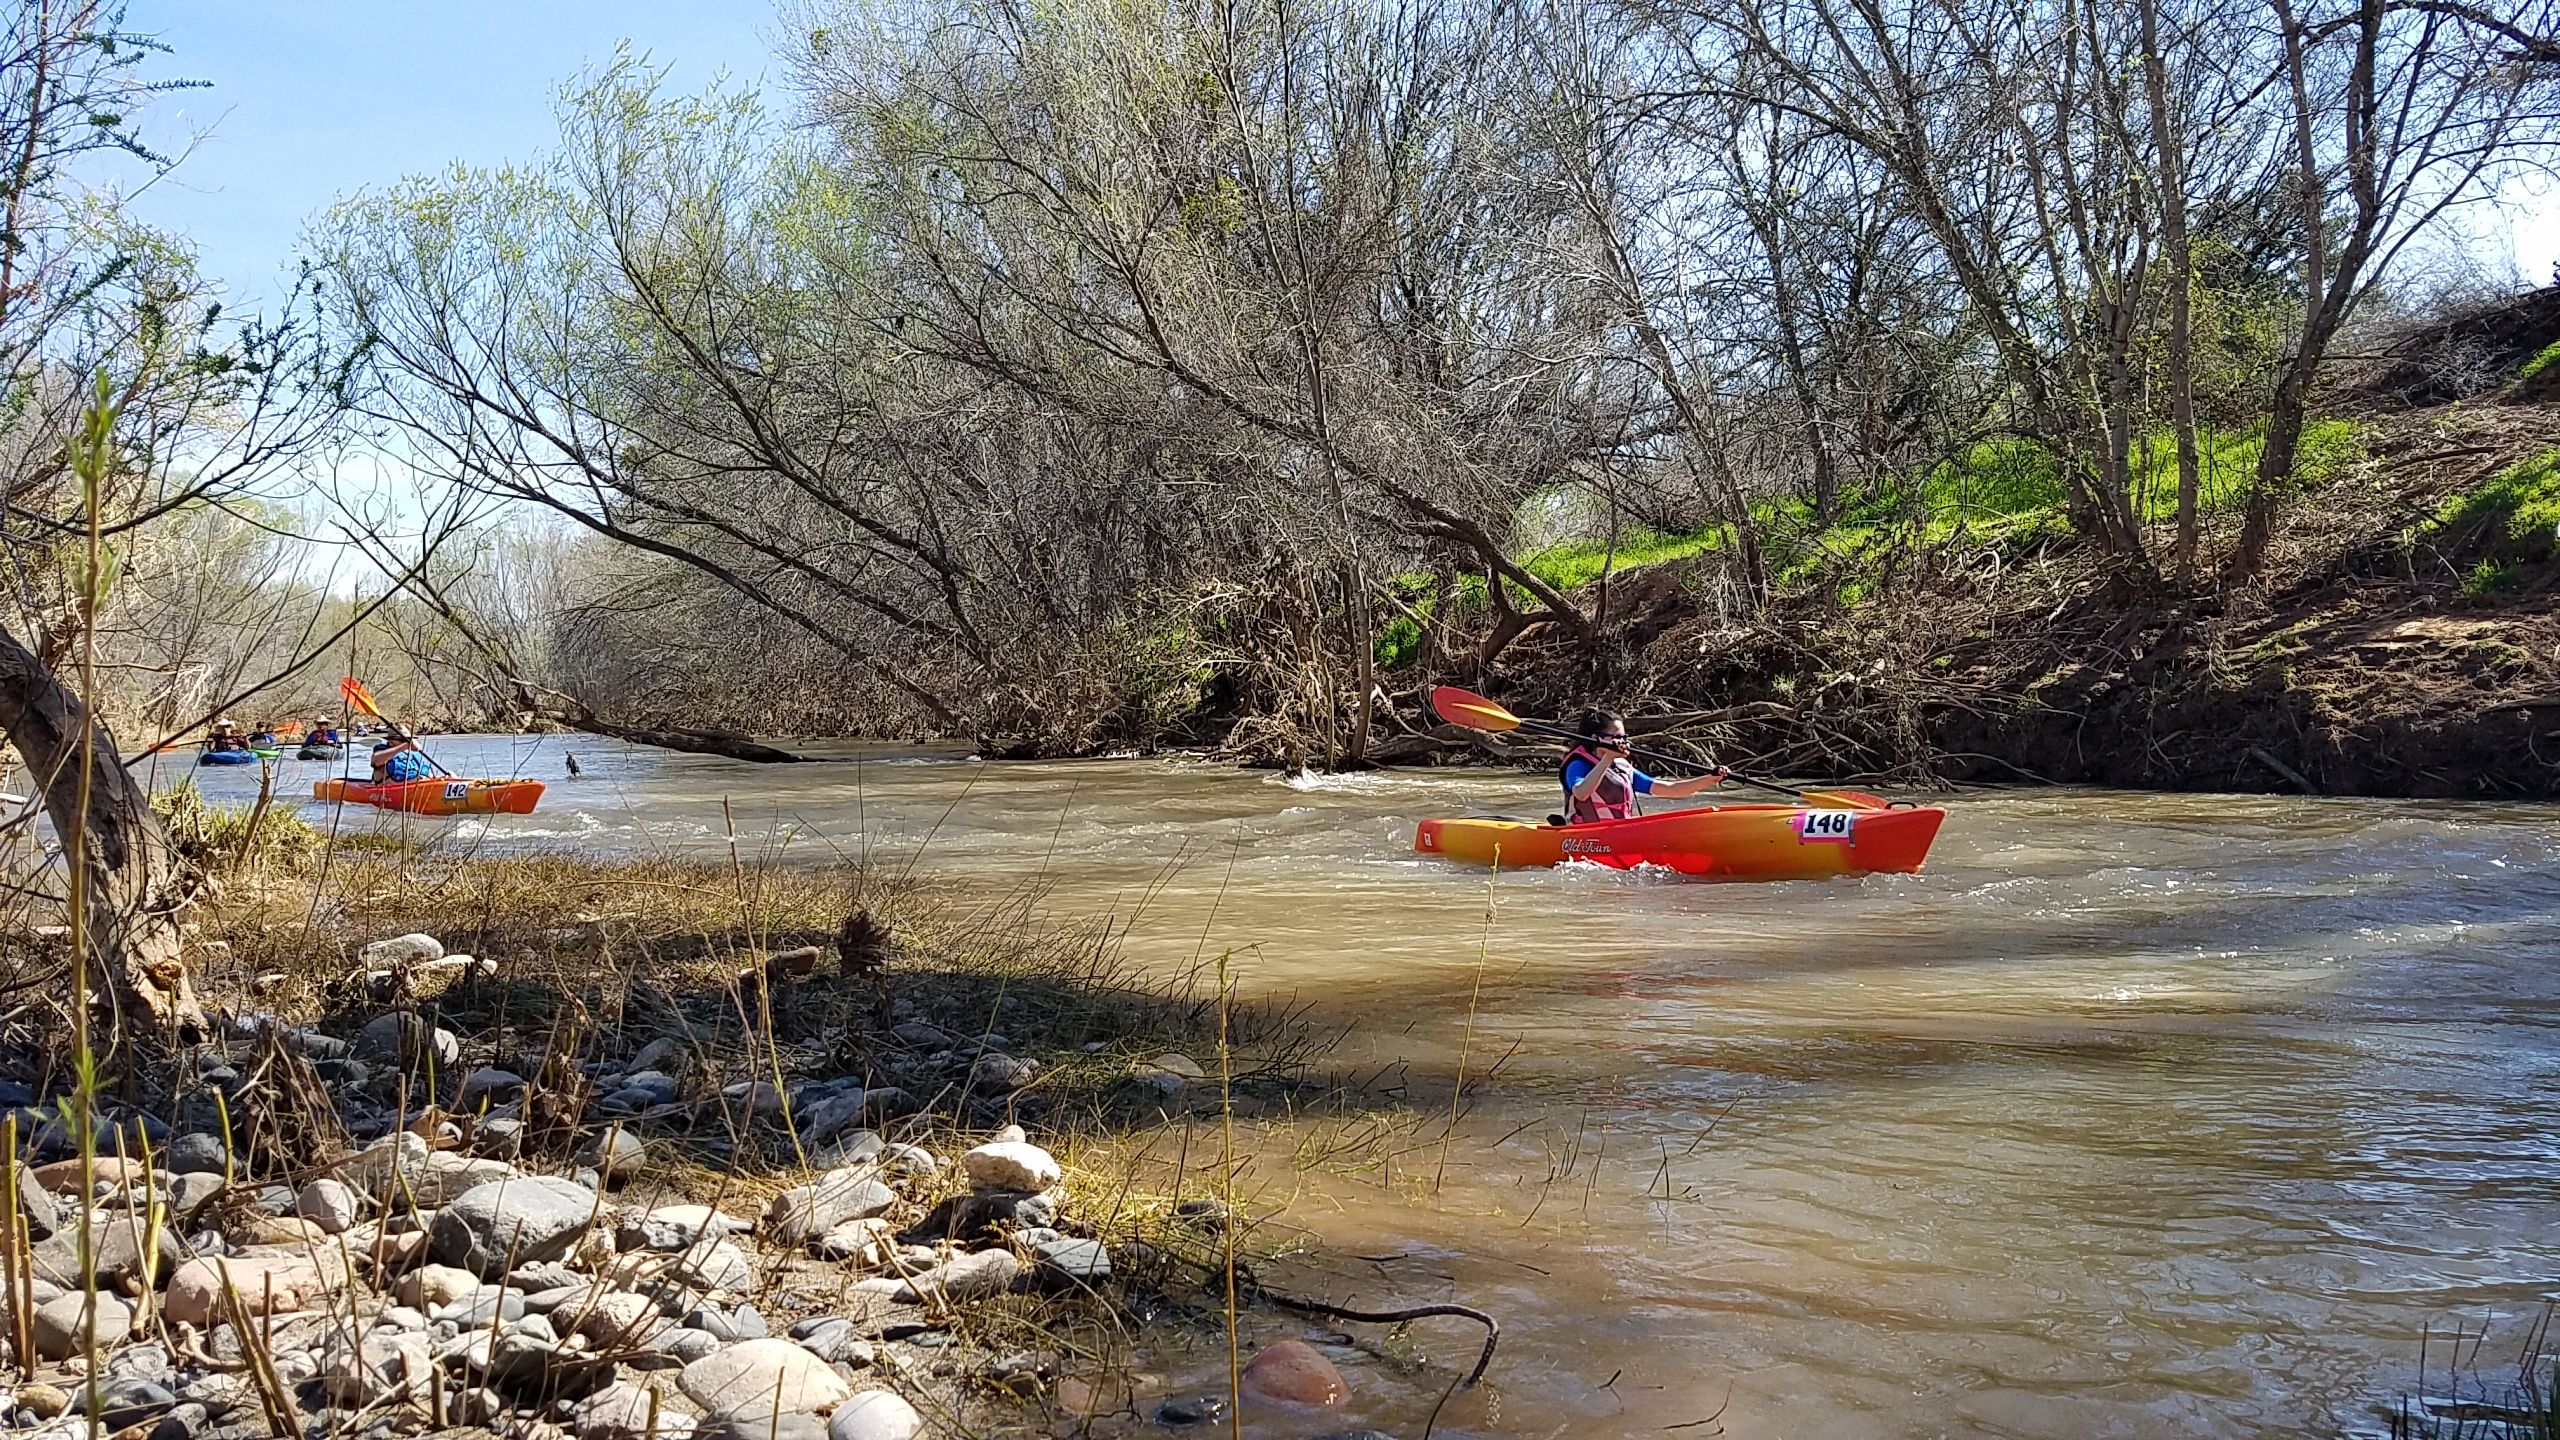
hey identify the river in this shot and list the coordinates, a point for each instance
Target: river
(2133, 1115)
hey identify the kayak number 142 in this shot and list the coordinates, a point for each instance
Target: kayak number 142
(1835, 826)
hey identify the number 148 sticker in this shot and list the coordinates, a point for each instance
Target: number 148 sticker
(1826, 826)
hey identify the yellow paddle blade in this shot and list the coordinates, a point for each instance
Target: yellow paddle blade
(353, 692)
(1465, 707)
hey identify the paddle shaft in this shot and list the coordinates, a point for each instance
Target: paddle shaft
(1659, 758)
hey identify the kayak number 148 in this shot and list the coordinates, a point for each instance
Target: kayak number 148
(1827, 825)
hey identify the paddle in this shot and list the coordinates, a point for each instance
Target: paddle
(353, 692)
(1465, 707)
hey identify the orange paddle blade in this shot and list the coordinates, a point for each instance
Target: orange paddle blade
(353, 692)
(1466, 707)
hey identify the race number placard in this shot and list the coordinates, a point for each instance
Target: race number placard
(1835, 827)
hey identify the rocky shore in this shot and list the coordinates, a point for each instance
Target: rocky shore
(382, 1226)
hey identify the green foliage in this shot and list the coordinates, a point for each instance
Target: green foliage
(1577, 563)
(2492, 578)
(2546, 363)
(2517, 511)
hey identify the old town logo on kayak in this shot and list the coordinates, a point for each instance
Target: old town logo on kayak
(1587, 847)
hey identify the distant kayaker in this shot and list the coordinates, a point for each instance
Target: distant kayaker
(398, 761)
(226, 736)
(322, 732)
(1601, 783)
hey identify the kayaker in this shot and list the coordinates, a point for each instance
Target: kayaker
(226, 736)
(398, 761)
(322, 732)
(1602, 783)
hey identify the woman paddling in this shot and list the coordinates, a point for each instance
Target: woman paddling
(1601, 783)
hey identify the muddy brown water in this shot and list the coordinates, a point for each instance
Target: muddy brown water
(2135, 1115)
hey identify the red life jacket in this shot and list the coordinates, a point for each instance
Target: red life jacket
(1614, 798)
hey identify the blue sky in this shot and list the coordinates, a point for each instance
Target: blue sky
(311, 100)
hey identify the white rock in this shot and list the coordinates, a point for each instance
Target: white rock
(874, 1415)
(401, 950)
(755, 1380)
(330, 1204)
(1011, 1165)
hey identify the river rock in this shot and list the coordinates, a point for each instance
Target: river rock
(196, 1153)
(67, 1177)
(329, 1204)
(400, 950)
(527, 1218)
(43, 1401)
(403, 1038)
(1294, 1372)
(804, 1212)
(487, 1086)
(615, 1321)
(614, 1149)
(874, 1415)
(431, 1287)
(1011, 1165)
(861, 1242)
(42, 1213)
(673, 1227)
(622, 1411)
(981, 1276)
(61, 1326)
(1068, 1262)
(268, 1284)
(755, 1380)
(1000, 1072)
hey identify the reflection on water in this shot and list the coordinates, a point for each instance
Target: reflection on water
(2135, 1115)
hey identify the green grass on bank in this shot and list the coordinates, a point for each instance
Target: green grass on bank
(2514, 516)
(2546, 363)
(2007, 492)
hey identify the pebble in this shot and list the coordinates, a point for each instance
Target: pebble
(874, 1415)
(43, 1401)
(1011, 1165)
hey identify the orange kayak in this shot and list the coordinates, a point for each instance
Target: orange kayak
(1733, 842)
(436, 797)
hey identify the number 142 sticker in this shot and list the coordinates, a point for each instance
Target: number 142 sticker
(1835, 827)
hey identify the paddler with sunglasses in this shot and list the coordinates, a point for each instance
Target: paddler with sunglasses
(1602, 783)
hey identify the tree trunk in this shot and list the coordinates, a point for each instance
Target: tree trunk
(2177, 255)
(132, 880)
